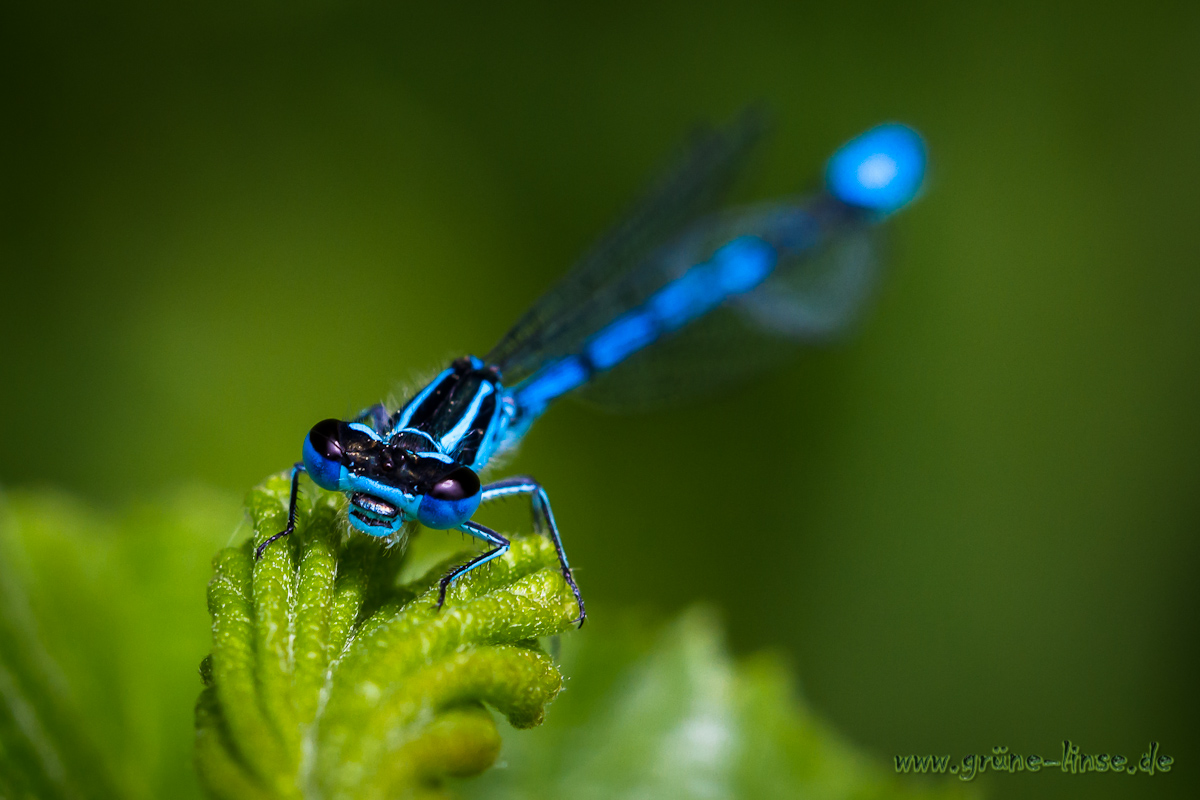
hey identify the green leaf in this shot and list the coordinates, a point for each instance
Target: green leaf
(331, 676)
(666, 712)
(101, 626)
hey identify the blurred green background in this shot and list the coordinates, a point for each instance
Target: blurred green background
(223, 222)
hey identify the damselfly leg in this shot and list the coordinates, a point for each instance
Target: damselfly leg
(543, 521)
(480, 532)
(297, 468)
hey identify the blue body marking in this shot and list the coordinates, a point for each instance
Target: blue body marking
(555, 380)
(454, 436)
(420, 463)
(881, 170)
(364, 429)
(621, 339)
(434, 445)
(735, 268)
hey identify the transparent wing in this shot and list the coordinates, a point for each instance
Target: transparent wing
(626, 266)
(820, 293)
(675, 301)
(817, 292)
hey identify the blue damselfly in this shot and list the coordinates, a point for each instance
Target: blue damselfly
(794, 269)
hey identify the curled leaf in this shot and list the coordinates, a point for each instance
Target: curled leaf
(331, 676)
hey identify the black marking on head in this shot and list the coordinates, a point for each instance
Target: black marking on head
(396, 465)
(428, 473)
(360, 449)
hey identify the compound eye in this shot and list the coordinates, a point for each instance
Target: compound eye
(461, 483)
(451, 501)
(325, 438)
(323, 454)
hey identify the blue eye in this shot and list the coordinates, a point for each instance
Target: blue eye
(323, 453)
(451, 501)
(881, 170)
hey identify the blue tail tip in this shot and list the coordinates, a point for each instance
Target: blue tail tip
(880, 170)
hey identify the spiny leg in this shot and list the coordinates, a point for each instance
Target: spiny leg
(478, 531)
(543, 521)
(297, 468)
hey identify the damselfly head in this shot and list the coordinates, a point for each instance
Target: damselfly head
(437, 492)
(387, 482)
(333, 448)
